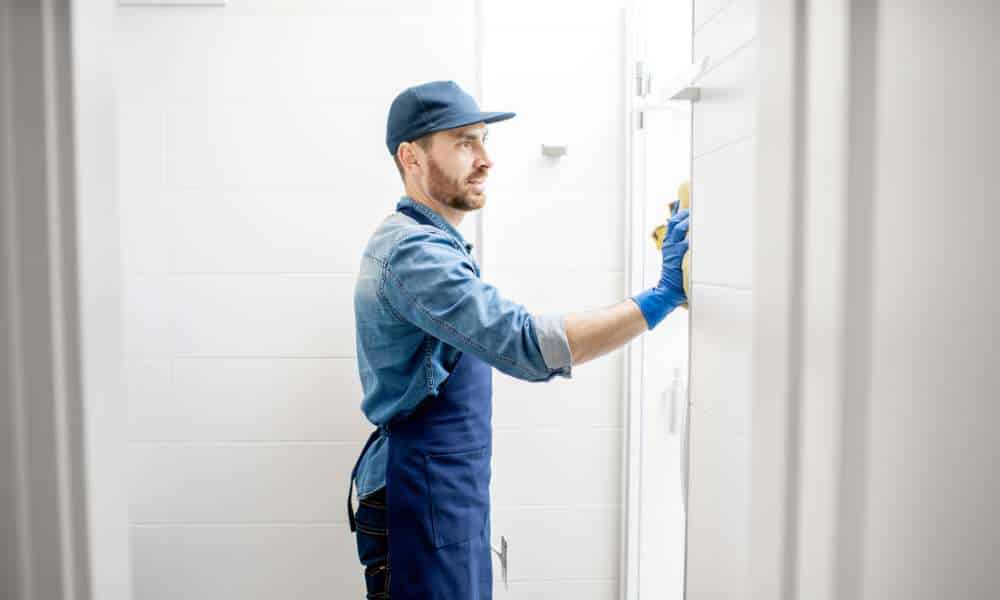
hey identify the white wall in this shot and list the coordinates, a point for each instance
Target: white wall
(253, 169)
(930, 496)
(98, 224)
(724, 156)
(553, 241)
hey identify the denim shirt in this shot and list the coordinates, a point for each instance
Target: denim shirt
(418, 304)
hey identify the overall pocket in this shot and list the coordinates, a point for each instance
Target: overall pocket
(459, 487)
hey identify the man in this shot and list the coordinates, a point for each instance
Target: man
(428, 332)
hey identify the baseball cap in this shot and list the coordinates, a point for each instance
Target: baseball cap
(430, 107)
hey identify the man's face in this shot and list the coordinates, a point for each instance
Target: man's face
(457, 167)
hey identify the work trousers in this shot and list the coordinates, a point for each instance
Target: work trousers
(373, 544)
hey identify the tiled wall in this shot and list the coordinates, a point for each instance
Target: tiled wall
(722, 196)
(554, 242)
(252, 170)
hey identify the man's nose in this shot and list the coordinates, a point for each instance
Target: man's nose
(483, 161)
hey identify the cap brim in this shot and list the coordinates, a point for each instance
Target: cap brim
(493, 117)
(470, 118)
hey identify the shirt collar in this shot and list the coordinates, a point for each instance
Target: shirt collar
(437, 219)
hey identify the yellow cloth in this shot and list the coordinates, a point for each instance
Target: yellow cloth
(684, 198)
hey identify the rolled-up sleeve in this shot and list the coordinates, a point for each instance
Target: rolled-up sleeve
(431, 282)
(551, 333)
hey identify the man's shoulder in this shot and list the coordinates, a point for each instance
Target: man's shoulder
(398, 231)
(388, 234)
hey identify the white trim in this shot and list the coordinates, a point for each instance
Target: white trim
(480, 94)
(21, 510)
(66, 510)
(801, 344)
(632, 382)
(692, 241)
(39, 205)
(62, 307)
(18, 568)
(774, 283)
(823, 278)
(99, 295)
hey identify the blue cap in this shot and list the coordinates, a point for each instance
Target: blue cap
(431, 107)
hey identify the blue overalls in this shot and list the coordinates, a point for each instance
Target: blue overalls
(438, 488)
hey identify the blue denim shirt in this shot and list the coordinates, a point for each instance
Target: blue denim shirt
(418, 304)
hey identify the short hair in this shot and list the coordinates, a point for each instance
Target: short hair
(424, 142)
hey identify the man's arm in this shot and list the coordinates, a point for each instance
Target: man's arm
(596, 332)
(429, 282)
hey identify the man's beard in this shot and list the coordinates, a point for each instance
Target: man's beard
(450, 191)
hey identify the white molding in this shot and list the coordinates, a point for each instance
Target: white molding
(63, 514)
(800, 284)
(41, 380)
(480, 95)
(632, 382)
(99, 293)
(171, 2)
(775, 293)
(823, 281)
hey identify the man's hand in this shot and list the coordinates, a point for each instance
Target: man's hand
(656, 303)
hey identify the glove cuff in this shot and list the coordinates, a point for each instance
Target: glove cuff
(655, 305)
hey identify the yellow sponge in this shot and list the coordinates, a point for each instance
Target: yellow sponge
(683, 201)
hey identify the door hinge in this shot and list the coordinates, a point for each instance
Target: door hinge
(642, 79)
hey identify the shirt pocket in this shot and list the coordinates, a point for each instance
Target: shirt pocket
(459, 488)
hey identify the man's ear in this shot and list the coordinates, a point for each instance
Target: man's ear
(407, 154)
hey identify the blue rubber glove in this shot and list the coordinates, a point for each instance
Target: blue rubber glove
(656, 303)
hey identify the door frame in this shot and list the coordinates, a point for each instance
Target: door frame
(635, 387)
(634, 352)
(62, 502)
